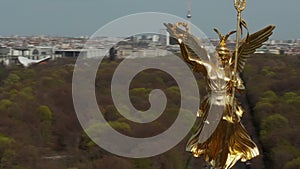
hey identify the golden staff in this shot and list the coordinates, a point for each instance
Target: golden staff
(239, 5)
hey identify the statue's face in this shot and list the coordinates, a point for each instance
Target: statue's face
(224, 56)
(224, 59)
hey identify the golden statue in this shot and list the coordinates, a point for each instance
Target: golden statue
(221, 138)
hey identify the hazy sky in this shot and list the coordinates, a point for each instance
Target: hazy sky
(84, 17)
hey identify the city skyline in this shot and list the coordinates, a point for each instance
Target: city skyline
(76, 18)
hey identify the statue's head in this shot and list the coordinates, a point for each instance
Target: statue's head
(222, 49)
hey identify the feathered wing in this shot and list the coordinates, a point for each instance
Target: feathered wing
(249, 44)
(195, 47)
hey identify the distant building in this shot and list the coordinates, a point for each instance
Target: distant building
(90, 53)
(4, 55)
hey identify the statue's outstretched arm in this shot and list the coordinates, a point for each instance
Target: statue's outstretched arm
(185, 53)
(197, 64)
(191, 47)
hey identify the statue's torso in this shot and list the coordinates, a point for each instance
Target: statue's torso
(218, 80)
(218, 85)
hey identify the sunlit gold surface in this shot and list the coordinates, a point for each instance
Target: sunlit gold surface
(240, 5)
(229, 142)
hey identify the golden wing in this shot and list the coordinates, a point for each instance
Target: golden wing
(194, 47)
(249, 45)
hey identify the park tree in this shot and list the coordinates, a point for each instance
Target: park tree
(45, 116)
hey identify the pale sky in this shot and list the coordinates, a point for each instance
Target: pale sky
(84, 17)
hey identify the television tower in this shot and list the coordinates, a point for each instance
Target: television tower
(189, 12)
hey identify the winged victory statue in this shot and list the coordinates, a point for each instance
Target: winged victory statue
(221, 138)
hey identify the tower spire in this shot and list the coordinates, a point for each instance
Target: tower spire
(189, 14)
